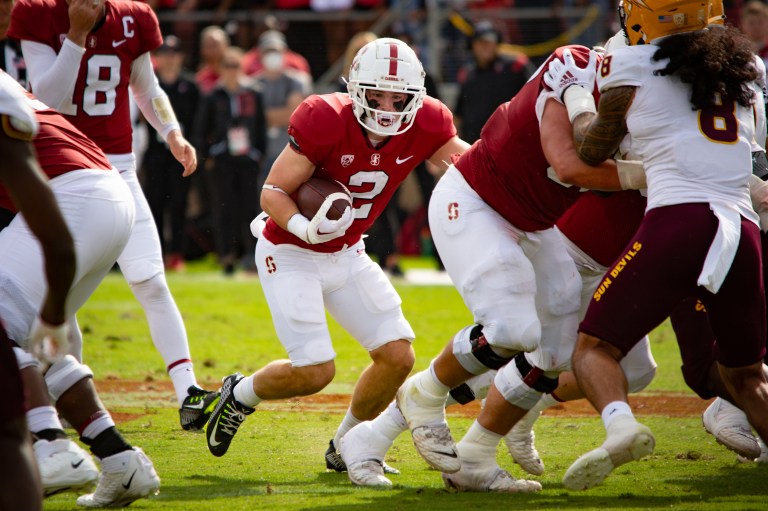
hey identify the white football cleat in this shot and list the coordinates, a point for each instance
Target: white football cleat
(627, 440)
(64, 466)
(363, 451)
(520, 443)
(491, 478)
(730, 427)
(429, 429)
(762, 459)
(125, 477)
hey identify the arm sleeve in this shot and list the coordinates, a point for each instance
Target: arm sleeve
(52, 76)
(151, 99)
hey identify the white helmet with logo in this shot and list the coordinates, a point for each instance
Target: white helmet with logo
(387, 65)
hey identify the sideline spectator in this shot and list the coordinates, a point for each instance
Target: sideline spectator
(294, 63)
(754, 24)
(231, 130)
(213, 41)
(282, 93)
(486, 82)
(165, 188)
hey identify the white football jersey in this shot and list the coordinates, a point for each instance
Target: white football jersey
(14, 104)
(689, 155)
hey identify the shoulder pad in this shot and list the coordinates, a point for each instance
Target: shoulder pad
(321, 118)
(433, 116)
(622, 67)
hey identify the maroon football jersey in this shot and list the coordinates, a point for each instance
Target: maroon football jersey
(324, 129)
(507, 167)
(60, 147)
(602, 225)
(99, 106)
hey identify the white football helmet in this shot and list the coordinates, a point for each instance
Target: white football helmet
(387, 65)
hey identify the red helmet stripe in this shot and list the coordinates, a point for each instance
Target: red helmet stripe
(393, 59)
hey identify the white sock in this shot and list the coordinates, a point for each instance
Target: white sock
(182, 377)
(244, 393)
(102, 422)
(613, 410)
(349, 422)
(478, 446)
(431, 389)
(545, 402)
(390, 423)
(43, 417)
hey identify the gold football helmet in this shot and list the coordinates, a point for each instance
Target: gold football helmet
(716, 12)
(646, 20)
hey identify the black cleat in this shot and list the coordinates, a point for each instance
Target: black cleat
(226, 417)
(197, 408)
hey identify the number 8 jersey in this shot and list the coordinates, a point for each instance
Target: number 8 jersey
(689, 155)
(99, 104)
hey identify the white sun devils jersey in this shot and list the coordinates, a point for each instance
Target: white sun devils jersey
(689, 155)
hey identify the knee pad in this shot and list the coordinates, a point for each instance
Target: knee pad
(462, 394)
(533, 376)
(63, 374)
(473, 352)
(24, 359)
(522, 384)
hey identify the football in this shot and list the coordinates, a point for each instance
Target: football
(311, 195)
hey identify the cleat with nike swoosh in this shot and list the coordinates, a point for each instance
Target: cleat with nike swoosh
(64, 466)
(226, 417)
(429, 429)
(197, 408)
(125, 477)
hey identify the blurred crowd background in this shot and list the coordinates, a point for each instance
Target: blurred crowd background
(236, 69)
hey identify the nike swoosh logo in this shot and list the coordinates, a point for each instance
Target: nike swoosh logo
(198, 406)
(115, 44)
(451, 454)
(75, 465)
(128, 485)
(399, 161)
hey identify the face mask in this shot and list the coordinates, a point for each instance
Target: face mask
(272, 61)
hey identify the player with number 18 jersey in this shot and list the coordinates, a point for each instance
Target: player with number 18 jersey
(98, 104)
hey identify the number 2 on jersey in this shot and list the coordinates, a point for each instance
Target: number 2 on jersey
(101, 79)
(377, 178)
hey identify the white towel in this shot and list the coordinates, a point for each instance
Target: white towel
(723, 249)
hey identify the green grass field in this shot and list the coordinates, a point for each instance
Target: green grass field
(276, 460)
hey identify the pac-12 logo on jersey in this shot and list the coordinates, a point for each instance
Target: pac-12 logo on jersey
(347, 159)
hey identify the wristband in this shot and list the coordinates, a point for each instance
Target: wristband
(578, 100)
(631, 174)
(298, 225)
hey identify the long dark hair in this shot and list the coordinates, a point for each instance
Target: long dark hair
(716, 60)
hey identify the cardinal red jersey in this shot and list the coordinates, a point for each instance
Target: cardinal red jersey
(60, 147)
(99, 106)
(507, 167)
(325, 130)
(602, 224)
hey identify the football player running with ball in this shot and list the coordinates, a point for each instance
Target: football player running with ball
(369, 140)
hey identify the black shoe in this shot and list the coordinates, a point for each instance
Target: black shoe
(226, 417)
(196, 408)
(333, 459)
